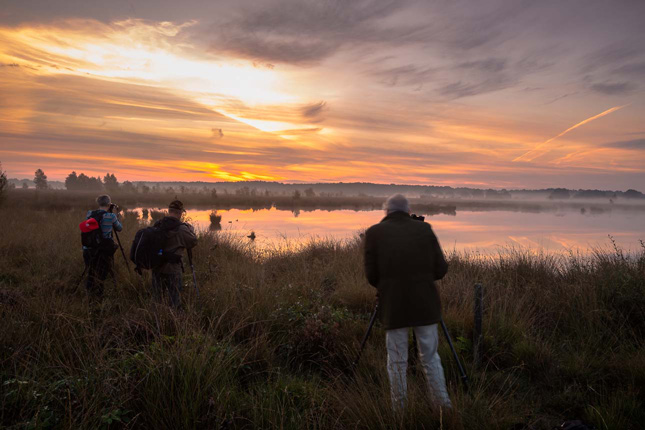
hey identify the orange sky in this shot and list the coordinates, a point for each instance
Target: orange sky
(393, 92)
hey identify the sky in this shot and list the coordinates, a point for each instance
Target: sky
(502, 94)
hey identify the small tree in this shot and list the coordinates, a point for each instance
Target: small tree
(296, 194)
(40, 179)
(309, 192)
(110, 182)
(25, 186)
(71, 182)
(3, 184)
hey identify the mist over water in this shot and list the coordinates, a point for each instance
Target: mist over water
(487, 232)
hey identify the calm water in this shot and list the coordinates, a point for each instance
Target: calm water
(485, 232)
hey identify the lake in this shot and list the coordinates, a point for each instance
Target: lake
(487, 232)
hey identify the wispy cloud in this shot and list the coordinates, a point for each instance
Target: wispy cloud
(542, 148)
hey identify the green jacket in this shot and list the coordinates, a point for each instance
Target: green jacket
(402, 260)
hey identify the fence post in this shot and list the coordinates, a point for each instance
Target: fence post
(478, 338)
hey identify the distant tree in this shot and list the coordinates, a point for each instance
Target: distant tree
(110, 182)
(144, 188)
(25, 185)
(309, 192)
(501, 194)
(40, 179)
(296, 194)
(633, 194)
(182, 189)
(213, 193)
(71, 182)
(590, 194)
(129, 187)
(3, 184)
(83, 182)
(559, 194)
(244, 191)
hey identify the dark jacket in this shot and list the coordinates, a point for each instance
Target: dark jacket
(402, 260)
(180, 236)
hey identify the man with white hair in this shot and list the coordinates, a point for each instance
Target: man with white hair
(403, 258)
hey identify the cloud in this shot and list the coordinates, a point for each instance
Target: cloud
(613, 54)
(635, 69)
(305, 32)
(636, 144)
(461, 89)
(314, 110)
(405, 75)
(489, 65)
(618, 88)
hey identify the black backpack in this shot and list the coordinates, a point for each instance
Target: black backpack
(91, 233)
(147, 250)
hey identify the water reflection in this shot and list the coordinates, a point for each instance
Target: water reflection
(485, 232)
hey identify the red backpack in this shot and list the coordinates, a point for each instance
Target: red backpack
(91, 234)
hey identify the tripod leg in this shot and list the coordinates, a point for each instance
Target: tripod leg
(366, 336)
(122, 251)
(462, 372)
(78, 284)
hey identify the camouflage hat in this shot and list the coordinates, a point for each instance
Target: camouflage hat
(177, 205)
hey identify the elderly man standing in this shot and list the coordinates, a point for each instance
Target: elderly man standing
(403, 258)
(179, 236)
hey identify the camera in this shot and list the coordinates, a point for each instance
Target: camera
(418, 217)
(114, 208)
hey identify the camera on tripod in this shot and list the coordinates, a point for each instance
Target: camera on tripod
(418, 217)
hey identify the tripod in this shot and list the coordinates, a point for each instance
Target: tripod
(462, 372)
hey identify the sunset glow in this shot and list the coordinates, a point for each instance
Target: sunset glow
(230, 93)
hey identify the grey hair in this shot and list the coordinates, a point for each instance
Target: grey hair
(397, 203)
(104, 200)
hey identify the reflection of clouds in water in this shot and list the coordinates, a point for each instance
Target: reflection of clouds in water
(483, 231)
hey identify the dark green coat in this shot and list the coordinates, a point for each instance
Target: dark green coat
(402, 260)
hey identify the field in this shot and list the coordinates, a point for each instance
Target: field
(269, 341)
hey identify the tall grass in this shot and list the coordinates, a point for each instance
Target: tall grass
(270, 340)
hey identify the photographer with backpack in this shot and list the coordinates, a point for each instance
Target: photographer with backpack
(98, 245)
(160, 249)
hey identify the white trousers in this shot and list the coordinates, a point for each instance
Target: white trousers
(397, 364)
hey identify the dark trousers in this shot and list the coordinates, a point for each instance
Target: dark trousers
(99, 267)
(167, 283)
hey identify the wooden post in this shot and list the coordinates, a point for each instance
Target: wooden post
(478, 337)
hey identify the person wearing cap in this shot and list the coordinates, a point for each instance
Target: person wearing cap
(167, 278)
(403, 258)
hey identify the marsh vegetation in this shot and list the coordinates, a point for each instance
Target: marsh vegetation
(269, 341)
